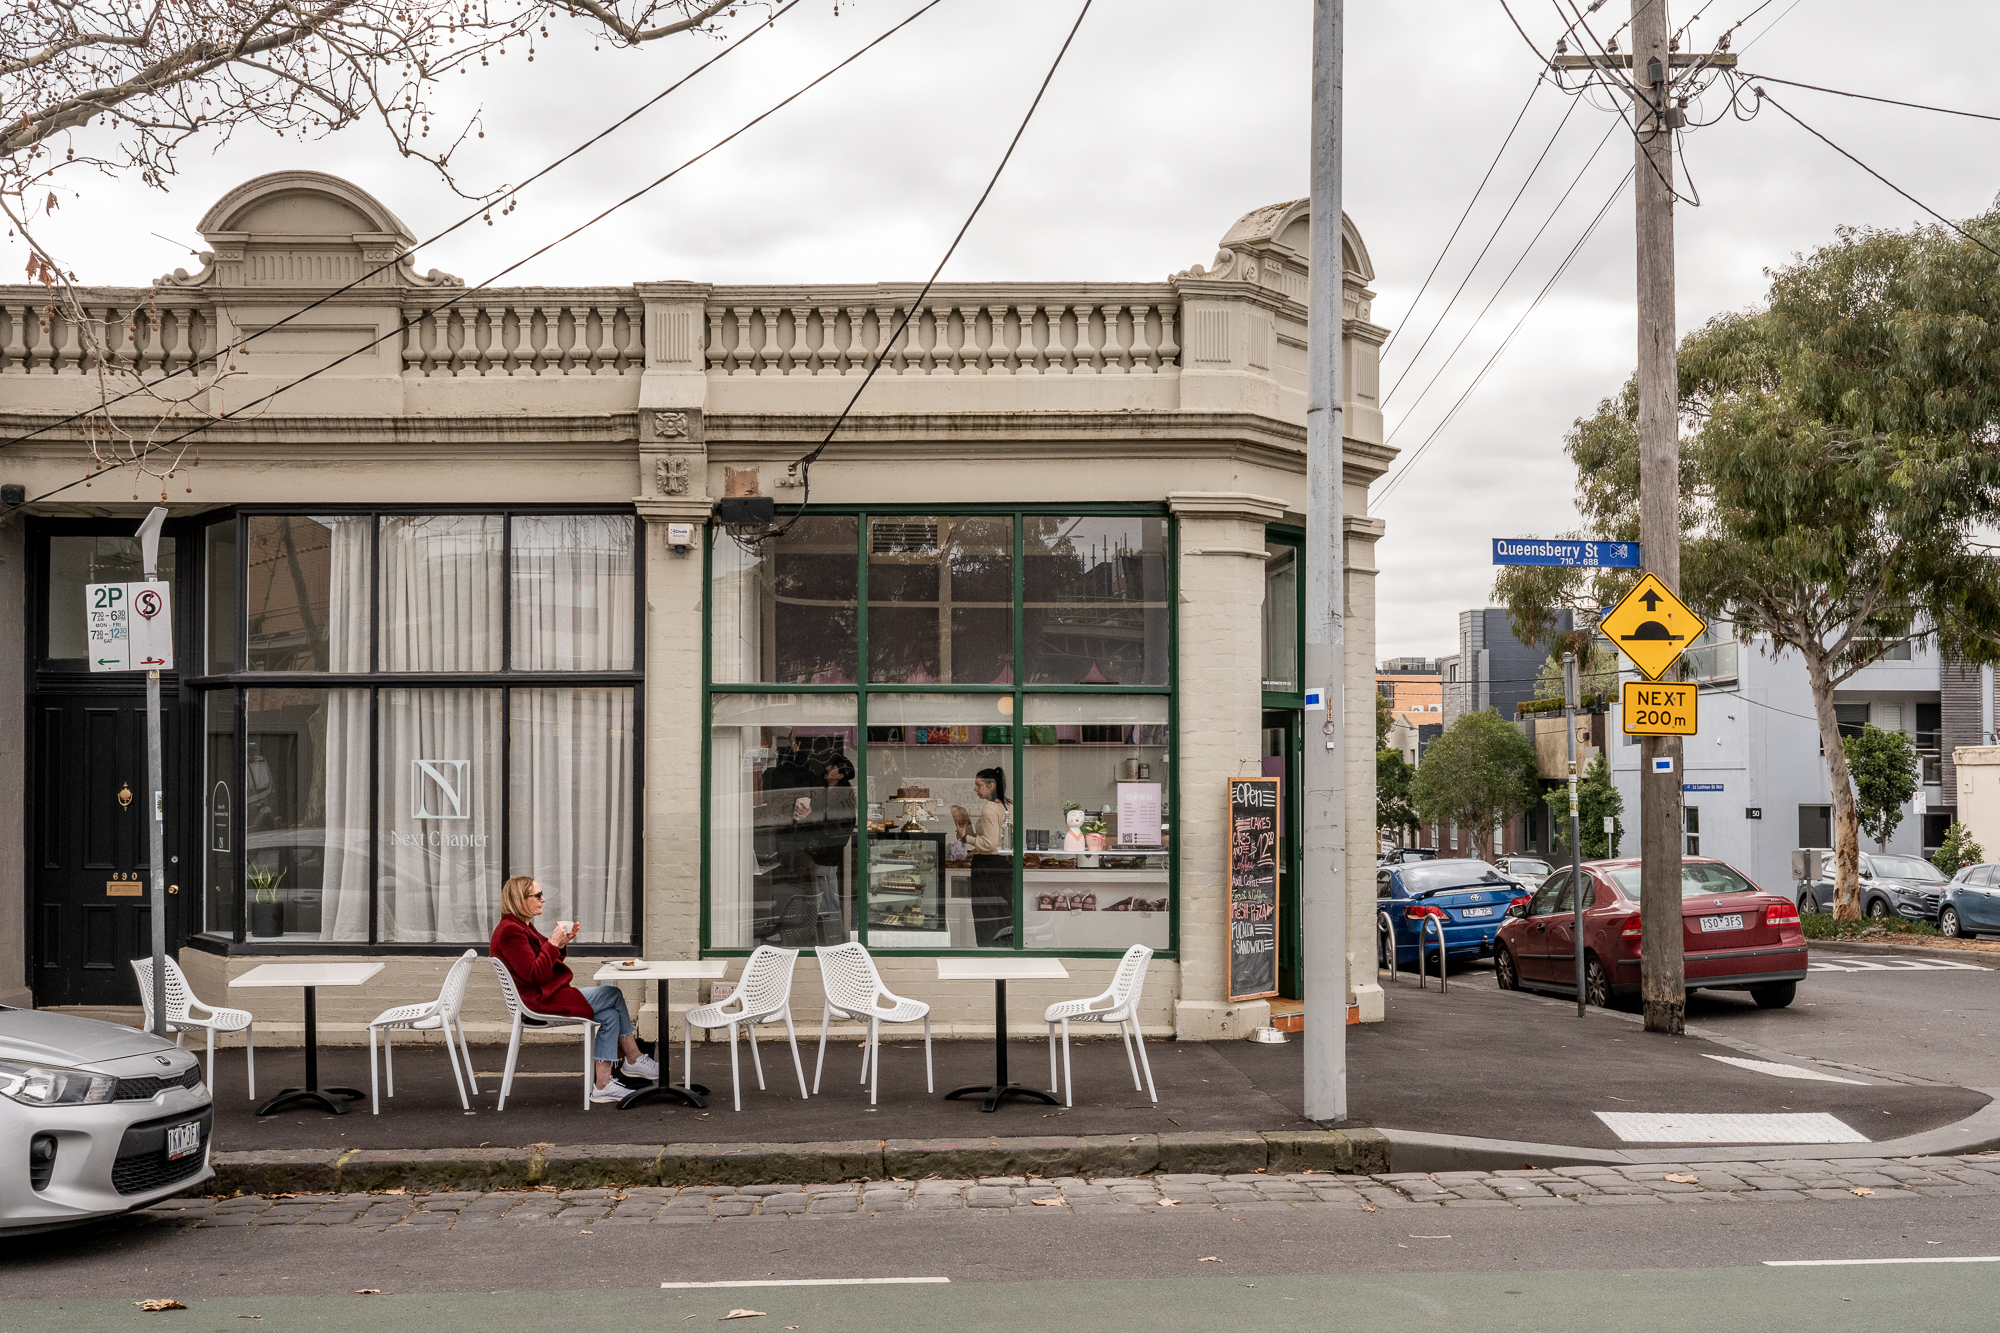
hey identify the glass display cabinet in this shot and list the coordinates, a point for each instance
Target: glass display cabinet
(906, 905)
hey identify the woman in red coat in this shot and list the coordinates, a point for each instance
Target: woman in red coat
(547, 986)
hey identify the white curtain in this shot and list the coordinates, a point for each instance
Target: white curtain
(572, 800)
(344, 793)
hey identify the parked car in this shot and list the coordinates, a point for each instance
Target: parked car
(1469, 896)
(95, 1120)
(1527, 871)
(1970, 903)
(1735, 935)
(1891, 885)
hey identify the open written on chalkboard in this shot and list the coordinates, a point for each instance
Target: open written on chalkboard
(1253, 888)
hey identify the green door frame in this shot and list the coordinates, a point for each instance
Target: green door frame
(1290, 724)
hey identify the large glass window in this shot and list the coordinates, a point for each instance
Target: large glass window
(75, 562)
(1281, 618)
(958, 680)
(377, 808)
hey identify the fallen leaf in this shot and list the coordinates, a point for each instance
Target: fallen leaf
(1047, 1203)
(398, 1190)
(367, 1291)
(586, 1233)
(743, 1314)
(1683, 1180)
(1370, 1208)
(155, 1306)
(1208, 1259)
(1169, 1203)
(1861, 1189)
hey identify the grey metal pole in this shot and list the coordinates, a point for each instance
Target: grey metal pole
(1323, 872)
(149, 542)
(1575, 831)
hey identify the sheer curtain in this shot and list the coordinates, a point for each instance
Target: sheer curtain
(344, 793)
(572, 800)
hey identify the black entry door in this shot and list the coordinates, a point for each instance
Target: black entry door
(1281, 760)
(90, 846)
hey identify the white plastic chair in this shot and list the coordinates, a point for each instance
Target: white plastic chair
(854, 990)
(180, 1018)
(1120, 1005)
(764, 995)
(524, 1016)
(439, 1014)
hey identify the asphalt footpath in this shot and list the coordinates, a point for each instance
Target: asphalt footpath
(1471, 1061)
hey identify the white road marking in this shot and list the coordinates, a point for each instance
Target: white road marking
(1842, 964)
(1927, 1259)
(1781, 1071)
(1666, 1127)
(821, 1281)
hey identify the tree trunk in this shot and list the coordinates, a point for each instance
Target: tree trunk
(1846, 821)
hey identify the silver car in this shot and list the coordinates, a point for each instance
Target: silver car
(95, 1120)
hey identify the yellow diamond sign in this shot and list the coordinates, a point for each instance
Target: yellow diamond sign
(1651, 626)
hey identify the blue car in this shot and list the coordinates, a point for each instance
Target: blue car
(1971, 905)
(1469, 896)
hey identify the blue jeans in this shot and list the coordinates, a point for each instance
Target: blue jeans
(613, 1019)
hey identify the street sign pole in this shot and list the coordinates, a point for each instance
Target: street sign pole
(1575, 833)
(149, 542)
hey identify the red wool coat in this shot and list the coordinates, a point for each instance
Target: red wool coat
(546, 984)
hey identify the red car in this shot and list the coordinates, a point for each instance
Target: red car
(1736, 936)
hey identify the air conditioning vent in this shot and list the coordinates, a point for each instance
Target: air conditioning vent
(896, 537)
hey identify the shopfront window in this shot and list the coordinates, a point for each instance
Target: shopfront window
(1281, 618)
(902, 634)
(380, 809)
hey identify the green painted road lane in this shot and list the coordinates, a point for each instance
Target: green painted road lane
(1714, 1300)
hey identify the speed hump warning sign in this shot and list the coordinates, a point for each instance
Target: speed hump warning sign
(1661, 708)
(1651, 626)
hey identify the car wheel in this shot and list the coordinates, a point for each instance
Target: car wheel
(1504, 974)
(1949, 925)
(1774, 994)
(1596, 984)
(1878, 909)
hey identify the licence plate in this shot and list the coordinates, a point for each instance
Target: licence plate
(183, 1139)
(1734, 921)
(1475, 911)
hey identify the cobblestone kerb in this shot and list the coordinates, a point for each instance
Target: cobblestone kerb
(1851, 1180)
(592, 1166)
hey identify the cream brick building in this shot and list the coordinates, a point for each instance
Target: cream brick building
(457, 607)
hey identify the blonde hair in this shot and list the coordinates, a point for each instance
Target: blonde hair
(514, 897)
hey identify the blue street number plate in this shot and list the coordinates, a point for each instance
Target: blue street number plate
(1475, 911)
(183, 1139)
(1734, 921)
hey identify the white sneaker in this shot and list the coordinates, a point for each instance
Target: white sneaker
(612, 1091)
(645, 1067)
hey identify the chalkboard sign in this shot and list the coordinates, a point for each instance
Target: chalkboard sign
(1253, 888)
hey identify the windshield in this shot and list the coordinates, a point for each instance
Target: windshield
(1907, 867)
(1699, 879)
(1522, 866)
(1445, 874)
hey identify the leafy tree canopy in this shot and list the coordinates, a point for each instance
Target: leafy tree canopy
(1480, 771)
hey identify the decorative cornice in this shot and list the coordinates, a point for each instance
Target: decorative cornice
(676, 509)
(1240, 505)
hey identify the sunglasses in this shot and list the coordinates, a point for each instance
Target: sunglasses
(536, 894)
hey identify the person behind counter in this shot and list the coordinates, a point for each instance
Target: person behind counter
(992, 862)
(547, 986)
(832, 832)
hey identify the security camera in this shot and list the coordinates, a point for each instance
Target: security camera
(680, 536)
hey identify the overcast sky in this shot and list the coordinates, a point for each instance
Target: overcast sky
(1168, 120)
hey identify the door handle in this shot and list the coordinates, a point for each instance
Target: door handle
(124, 796)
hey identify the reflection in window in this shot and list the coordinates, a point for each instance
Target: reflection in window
(1095, 822)
(1095, 600)
(572, 592)
(218, 836)
(941, 600)
(929, 758)
(75, 562)
(781, 829)
(1281, 619)
(306, 593)
(305, 813)
(786, 614)
(441, 592)
(222, 612)
(440, 816)
(570, 818)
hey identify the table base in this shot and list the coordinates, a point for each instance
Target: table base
(689, 1094)
(993, 1092)
(330, 1099)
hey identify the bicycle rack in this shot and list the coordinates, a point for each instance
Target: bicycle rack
(1423, 930)
(1385, 935)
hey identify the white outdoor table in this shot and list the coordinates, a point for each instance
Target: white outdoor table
(310, 976)
(1000, 971)
(663, 971)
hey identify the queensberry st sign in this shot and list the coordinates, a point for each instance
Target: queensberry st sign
(1569, 554)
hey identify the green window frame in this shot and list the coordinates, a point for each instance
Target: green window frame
(863, 690)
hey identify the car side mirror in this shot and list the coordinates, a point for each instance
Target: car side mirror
(1517, 909)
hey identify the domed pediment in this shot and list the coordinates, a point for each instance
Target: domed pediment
(304, 229)
(1272, 246)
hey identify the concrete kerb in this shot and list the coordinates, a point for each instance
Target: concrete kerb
(587, 1166)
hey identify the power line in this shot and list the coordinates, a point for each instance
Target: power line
(404, 324)
(1890, 101)
(1499, 351)
(1418, 300)
(1522, 259)
(1480, 258)
(1764, 96)
(402, 255)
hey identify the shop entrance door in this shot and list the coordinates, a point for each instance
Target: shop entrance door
(1281, 760)
(89, 845)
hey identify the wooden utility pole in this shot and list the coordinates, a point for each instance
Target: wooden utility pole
(1662, 967)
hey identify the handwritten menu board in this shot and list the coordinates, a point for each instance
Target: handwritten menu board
(1253, 888)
